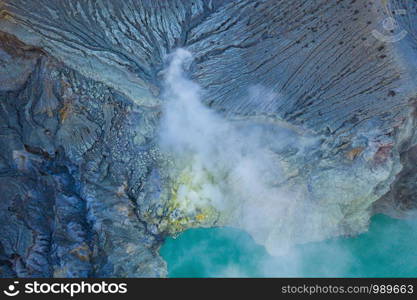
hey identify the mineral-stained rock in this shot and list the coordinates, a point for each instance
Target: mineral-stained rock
(85, 190)
(62, 166)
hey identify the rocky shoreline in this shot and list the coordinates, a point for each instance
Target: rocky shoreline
(85, 188)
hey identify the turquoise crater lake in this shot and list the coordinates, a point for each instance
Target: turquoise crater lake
(388, 249)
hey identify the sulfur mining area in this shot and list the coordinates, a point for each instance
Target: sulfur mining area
(124, 124)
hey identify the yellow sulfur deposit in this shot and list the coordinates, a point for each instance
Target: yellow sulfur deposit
(194, 200)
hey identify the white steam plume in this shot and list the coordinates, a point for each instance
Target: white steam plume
(240, 158)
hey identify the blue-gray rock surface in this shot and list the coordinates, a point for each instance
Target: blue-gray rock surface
(84, 187)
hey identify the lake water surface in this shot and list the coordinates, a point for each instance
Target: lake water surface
(388, 249)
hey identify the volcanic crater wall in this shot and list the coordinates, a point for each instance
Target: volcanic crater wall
(84, 188)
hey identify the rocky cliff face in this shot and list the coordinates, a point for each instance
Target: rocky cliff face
(85, 187)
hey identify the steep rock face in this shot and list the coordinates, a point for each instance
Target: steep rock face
(68, 173)
(85, 189)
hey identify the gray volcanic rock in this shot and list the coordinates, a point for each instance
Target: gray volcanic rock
(68, 174)
(84, 188)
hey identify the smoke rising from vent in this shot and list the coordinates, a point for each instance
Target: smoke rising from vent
(241, 158)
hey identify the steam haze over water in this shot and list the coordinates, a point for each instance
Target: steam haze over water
(386, 250)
